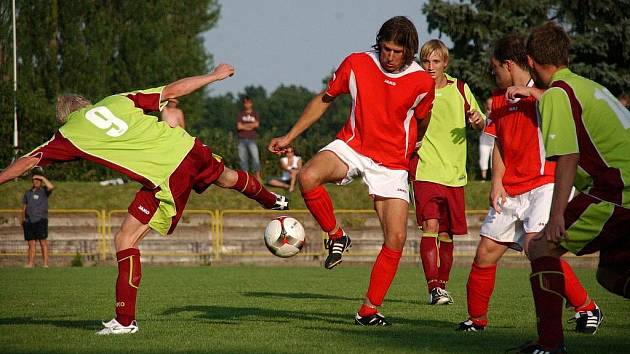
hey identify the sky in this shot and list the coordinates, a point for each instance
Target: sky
(297, 42)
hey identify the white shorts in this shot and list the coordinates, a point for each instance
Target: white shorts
(381, 181)
(520, 215)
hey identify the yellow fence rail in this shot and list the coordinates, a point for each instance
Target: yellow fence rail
(216, 223)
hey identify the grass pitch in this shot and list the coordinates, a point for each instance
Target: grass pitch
(275, 310)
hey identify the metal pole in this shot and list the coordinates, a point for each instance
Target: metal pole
(15, 120)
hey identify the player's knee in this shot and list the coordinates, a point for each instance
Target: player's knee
(540, 247)
(614, 280)
(485, 256)
(308, 179)
(431, 226)
(396, 240)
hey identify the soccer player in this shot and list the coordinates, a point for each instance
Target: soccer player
(440, 174)
(391, 99)
(116, 133)
(587, 132)
(522, 187)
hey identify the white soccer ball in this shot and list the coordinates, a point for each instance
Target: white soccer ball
(284, 236)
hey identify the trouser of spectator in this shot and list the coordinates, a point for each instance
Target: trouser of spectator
(247, 148)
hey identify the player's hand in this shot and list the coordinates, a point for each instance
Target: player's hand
(475, 118)
(514, 92)
(498, 196)
(554, 230)
(279, 145)
(223, 71)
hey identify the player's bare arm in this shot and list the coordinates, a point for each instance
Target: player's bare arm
(312, 113)
(513, 92)
(17, 168)
(498, 194)
(566, 167)
(423, 125)
(247, 126)
(188, 85)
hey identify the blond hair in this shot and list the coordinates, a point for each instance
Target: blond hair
(69, 103)
(434, 45)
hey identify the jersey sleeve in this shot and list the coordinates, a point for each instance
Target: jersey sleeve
(425, 105)
(149, 100)
(558, 128)
(340, 82)
(57, 149)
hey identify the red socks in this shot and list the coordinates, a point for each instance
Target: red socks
(319, 204)
(429, 253)
(366, 310)
(129, 274)
(445, 249)
(252, 189)
(383, 273)
(548, 282)
(574, 291)
(479, 290)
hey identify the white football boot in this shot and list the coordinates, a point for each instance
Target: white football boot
(113, 327)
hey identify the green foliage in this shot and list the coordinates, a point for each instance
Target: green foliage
(96, 49)
(600, 35)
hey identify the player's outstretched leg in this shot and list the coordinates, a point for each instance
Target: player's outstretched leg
(250, 187)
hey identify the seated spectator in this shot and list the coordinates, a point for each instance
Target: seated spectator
(291, 165)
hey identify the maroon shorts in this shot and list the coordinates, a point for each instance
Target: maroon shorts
(444, 203)
(199, 169)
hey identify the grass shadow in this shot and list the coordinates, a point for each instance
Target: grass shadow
(90, 325)
(311, 296)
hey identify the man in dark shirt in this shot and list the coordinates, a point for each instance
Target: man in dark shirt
(35, 217)
(246, 124)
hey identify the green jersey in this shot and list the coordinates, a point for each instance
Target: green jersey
(116, 133)
(581, 116)
(443, 151)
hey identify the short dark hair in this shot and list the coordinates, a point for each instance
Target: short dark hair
(511, 47)
(549, 45)
(400, 30)
(246, 98)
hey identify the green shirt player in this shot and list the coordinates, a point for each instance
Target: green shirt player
(117, 133)
(441, 170)
(587, 132)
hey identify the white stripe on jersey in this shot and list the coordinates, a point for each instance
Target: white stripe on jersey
(352, 85)
(410, 114)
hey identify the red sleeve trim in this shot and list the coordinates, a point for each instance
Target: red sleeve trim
(148, 102)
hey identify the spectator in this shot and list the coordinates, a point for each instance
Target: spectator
(624, 100)
(246, 123)
(35, 218)
(486, 142)
(291, 165)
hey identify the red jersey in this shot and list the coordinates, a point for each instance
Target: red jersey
(385, 107)
(515, 125)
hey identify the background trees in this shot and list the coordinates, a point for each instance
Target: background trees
(101, 47)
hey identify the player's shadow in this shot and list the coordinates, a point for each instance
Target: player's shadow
(234, 315)
(80, 324)
(458, 135)
(310, 296)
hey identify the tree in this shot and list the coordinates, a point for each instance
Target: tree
(96, 49)
(599, 30)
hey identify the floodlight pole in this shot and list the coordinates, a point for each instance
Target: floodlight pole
(15, 120)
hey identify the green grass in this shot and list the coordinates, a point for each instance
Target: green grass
(274, 310)
(90, 195)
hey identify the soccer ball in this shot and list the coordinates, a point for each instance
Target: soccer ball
(284, 236)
